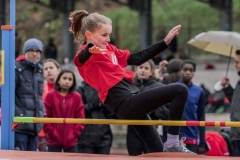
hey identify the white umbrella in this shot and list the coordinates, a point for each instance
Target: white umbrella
(220, 42)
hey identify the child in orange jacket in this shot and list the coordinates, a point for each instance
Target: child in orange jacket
(51, 69)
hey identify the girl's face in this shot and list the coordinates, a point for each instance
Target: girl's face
(50, 71)
(66, 81)
(144, 71)
(100, 37)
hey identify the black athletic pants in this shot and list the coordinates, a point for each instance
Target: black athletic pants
(138, 105)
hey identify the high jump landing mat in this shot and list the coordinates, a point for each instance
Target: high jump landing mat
(26, 155)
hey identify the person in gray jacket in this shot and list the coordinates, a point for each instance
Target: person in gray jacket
(233, 96)
(28, 94)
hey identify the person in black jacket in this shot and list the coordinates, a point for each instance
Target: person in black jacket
(233, 96)
(145, 78)
(29, 82)
(95, 138)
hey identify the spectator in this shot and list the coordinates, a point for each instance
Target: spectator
(173, 69)
(218, 102)
(194, 109)
(233, 97)
(95, 138)
(63, 102)
(28, 94)
(51, 50)
(51, 69)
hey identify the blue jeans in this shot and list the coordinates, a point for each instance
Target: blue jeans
(236, 145)
(25, 142)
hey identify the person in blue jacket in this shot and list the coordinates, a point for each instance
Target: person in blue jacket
(194, 109)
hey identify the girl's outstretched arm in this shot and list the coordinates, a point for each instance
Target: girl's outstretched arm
(142, 56)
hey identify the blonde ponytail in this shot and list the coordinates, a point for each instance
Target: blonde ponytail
(76, 17)
(82, 22)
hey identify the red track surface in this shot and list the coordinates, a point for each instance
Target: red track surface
(24, 155)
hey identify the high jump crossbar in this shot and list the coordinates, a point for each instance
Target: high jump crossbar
(126, 122)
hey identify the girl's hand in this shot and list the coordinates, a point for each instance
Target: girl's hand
(96, 50)
(172, 33)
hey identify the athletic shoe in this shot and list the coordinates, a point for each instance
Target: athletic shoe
(178, 147)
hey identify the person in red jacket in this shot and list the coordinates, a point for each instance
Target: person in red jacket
(63, 102)
(102, 66)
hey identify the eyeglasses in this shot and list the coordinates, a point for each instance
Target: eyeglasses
(33, 51)
(236, 62)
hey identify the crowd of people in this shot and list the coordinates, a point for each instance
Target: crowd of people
(109, 91)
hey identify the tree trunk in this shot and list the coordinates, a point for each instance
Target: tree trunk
(67, 40)
(145, 23)
(226, 16)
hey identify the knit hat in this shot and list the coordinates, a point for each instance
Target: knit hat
(31, 44)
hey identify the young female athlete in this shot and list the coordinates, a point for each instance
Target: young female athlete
(101, 65)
